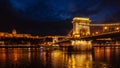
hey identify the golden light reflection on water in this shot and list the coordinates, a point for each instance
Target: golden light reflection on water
(100, 57)
(81, 44)
(57, 58)
(104, 55)
(13, 57)
(80, 61)
(67, 60)
(107, 51)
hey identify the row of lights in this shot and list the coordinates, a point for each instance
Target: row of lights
(104, 29)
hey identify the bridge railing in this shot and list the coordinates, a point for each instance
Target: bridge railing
(104, 29)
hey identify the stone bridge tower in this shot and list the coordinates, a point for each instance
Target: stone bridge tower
(80, 27)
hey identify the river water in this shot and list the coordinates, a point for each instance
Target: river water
(98, 57)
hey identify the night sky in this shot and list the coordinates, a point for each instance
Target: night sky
(53, 17)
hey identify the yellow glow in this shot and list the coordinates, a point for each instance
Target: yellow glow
(96, 32)
(104, 39)
(3, 55)
(1, 34)
(108, 53)
(76, 35)
(14, 32)
(15, 57)
(81, 45)
(79, 61)
(80, 18)
(57, 58)
(105, 28)
(117, 28)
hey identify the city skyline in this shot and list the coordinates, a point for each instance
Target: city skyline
(59, 34)
(54, 17)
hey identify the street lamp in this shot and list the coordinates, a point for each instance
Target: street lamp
(117, 28)
(105, 28)
(96, 32)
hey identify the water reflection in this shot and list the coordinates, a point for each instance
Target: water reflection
(100, 57)
(107, 56)
(79, 60)
(28, 58)
(81, 44)
(13, 57)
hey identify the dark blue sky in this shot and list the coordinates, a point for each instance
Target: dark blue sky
(53, 12)
(56, 10)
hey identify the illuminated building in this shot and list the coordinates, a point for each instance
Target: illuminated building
(78, 27)
(14, 32)
(2, 34)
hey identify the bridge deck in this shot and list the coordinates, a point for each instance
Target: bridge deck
(108, 45)
(19, 46)
(103, 35)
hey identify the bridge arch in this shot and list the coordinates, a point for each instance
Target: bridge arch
(55, 39)
(80, 30)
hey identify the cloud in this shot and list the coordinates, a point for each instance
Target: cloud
(55, 10)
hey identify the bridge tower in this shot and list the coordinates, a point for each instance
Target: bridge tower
(14, 32)
(55, 39)
(78, 27)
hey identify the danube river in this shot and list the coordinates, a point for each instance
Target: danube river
(57, 57)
